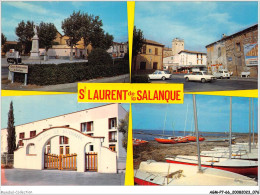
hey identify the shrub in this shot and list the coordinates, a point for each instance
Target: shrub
(99, 57)
(51, 74)
(139, 79)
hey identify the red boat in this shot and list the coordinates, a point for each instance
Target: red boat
(138, 142)
(193, 138)
(182, 139)
(165, 140)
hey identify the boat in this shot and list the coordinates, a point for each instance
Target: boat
(193, 138)
(181, 139)
(169, 174)
(138, 142)
(169, 140)
(244, 167)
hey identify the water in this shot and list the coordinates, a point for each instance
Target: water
(151, 134)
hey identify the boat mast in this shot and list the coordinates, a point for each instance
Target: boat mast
(249, 125)
(197, 133)
(165, 119)
(230, 129)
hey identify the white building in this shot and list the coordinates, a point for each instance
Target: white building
(91, 135)
(171, 62)
(192, 60)
(118, 50)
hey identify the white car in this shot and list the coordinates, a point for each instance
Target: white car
(222, 74)
(199, 76)
(159, 74)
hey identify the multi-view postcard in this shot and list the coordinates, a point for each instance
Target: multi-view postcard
(129, 93)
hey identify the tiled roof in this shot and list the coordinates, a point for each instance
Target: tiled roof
(193, 52)
(153, 42)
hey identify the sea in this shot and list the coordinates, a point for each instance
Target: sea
(151, 134)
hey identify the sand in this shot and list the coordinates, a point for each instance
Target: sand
(158, 152)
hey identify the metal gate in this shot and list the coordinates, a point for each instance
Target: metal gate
(60, 162)
(91, 161)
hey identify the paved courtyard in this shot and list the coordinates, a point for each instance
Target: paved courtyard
(22, 177)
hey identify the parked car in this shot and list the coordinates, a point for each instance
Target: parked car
(159, 74)
(202, 76)
(222, 74)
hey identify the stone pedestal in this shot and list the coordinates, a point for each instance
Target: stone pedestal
(35, 53)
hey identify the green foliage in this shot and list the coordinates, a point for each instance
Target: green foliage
(24, 31)
(17, 47)
(3, 39)
(123, 128)
(138, 40)
(11, 137)
(139, 79)
(99, 57)
(47, 33)
(51, 74)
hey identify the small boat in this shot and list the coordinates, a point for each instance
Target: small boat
(193, 138)
(244, 167)
(181, 139)
(138, 142)
(168, 174)
(169, 140)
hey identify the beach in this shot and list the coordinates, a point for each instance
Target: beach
(158, 152)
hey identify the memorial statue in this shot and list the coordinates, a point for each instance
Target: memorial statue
(35, 29)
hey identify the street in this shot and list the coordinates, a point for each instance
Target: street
(234, 83)
(27, 177)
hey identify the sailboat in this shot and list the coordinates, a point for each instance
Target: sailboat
(169, 140)
(163, 173)
(245, 167)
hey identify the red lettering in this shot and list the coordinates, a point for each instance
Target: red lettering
(81, 92)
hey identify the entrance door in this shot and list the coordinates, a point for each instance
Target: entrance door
(60, 162)
(91, 161)
(155, 65)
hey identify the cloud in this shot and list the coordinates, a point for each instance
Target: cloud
(28, 7)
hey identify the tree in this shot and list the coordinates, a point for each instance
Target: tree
(3, 39)
(138, 41)
(24, 31)
(123, 128)
(72, 27)
(47, 33)
(11, 137)
(99, 57)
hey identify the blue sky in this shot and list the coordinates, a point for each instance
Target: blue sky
(198, 23)
(113, 15)
(212, 111)
(32, 108)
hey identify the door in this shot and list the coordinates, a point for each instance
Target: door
(155, 64)
(91, 161)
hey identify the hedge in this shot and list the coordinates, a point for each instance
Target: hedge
(51, 74)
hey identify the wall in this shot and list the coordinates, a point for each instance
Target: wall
(171, 61)
(177, 46)
(150, 57)
(187, 59)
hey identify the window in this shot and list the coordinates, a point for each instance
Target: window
(156, 51)
(88, 126)
(150, 51)
(238, 46)
(91, 148)
(112, 136)
(61, 149)
(67, 150)
(48, 150)
(112, 147)
(219, 52)
(32, 134)
(21, 143)
(112, 124)
(144, 49)
(64, 140)
(21, 135)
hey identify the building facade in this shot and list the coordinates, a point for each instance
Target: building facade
(171, 63)
(238, 53)
(177, 45)
(93, 130)
(118, 50)
(151, 56)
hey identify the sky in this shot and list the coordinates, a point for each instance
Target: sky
(113, 15)
(32, 108)
(198, 23)
(213, 114)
